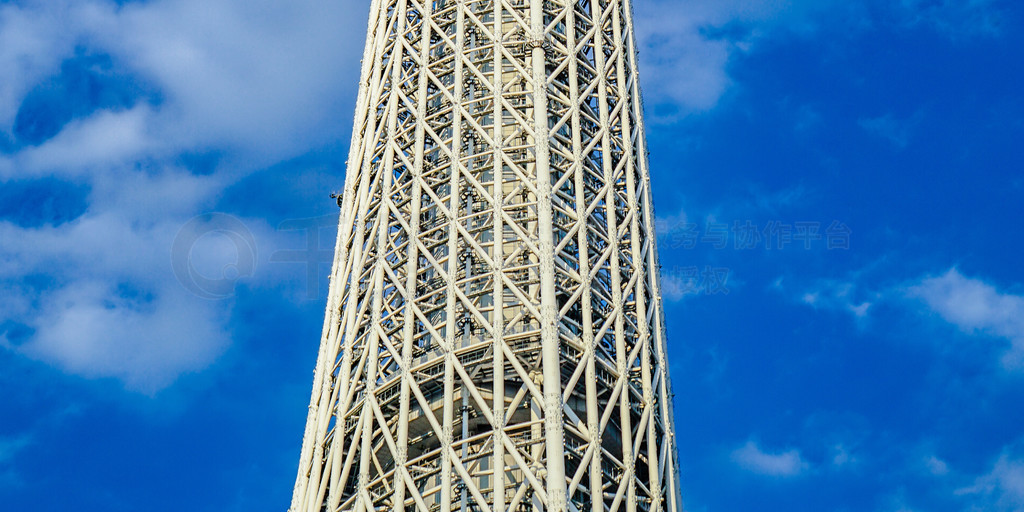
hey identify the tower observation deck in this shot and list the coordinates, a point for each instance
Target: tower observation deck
(494, 338)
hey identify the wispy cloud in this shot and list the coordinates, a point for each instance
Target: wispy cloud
(685, 53)
(671, 225)
(975, 306)
(897, 502)
(9, 448)
(954, 18)
(676, 286)
(842, 456)
(1002, 488)
(754, 459)
(687, 47)
(936, 466)
(896, 131)
(836, 295)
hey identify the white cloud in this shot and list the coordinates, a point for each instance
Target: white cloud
(684, 62)
(972, 305)
(678, 283)
(671, 225)
(114, 308)
(975, 306)
(89, 329)
(836, 296)
(686, 47)
(1002, 488)
(256, 74)
(254, 82)
(258, 81)
(936, 466)
(111, 306)
(753, 458)
(33, 41)
(681, 67)
(676, 287)
(107, 139)
(262, 76)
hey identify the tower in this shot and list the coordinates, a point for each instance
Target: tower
(494, 336)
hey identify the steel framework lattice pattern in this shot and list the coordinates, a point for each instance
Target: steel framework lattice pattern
(494, 334)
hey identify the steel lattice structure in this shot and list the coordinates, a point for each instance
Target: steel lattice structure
(494, 336)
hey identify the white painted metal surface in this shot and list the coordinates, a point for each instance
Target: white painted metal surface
(494, 338)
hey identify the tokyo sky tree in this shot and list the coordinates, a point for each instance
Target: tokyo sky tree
(494, 338)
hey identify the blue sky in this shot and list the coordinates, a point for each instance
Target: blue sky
(839, 191)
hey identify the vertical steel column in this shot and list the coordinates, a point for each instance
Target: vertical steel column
(498, 256)
(412, 269)
(454, 190)
(550, 346)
